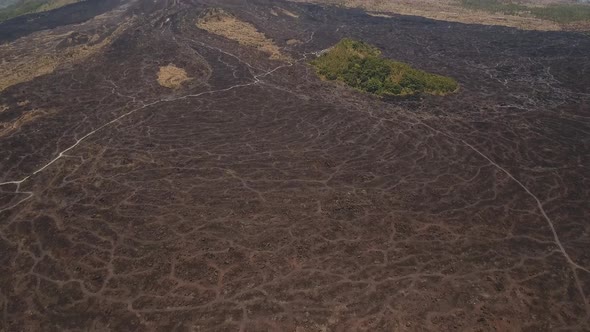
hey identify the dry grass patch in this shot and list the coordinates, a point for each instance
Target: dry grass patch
(8, 128)
(292, 42)
(379, 15)
(287, 13)
(24, 72)
(445, 10)
(172, 77)
(43, 57)
(224, 24)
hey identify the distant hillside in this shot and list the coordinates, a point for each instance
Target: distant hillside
(13, 8)
(523, 14)
(6, 3)
(563, 13)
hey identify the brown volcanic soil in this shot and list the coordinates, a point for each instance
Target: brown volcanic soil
(256, 197)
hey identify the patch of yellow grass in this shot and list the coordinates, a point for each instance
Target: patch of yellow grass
(291, 42)
(24, 72)
(45, 58)
(221, 23)
(172, 77)
(7, 128)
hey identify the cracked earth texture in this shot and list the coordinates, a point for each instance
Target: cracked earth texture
(256, 197)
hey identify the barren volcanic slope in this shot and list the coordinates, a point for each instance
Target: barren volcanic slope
(156, 174)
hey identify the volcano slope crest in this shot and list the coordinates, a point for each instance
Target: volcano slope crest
(167, 178)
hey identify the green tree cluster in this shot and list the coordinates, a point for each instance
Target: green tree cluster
(361, 66)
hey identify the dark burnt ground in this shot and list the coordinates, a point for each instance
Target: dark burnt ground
(286, 203)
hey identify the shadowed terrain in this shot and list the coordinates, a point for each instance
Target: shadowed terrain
(247, 194)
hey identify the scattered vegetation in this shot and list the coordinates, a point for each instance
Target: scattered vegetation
(361, 66)
(19, 67)
(9, 127)
(172, 77)
(23, 71)
(219, 22)
(560, 13)
(24, 7)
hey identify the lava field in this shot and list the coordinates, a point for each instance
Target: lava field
(257, 197)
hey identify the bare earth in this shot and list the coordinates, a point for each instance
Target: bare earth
(256, 197)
